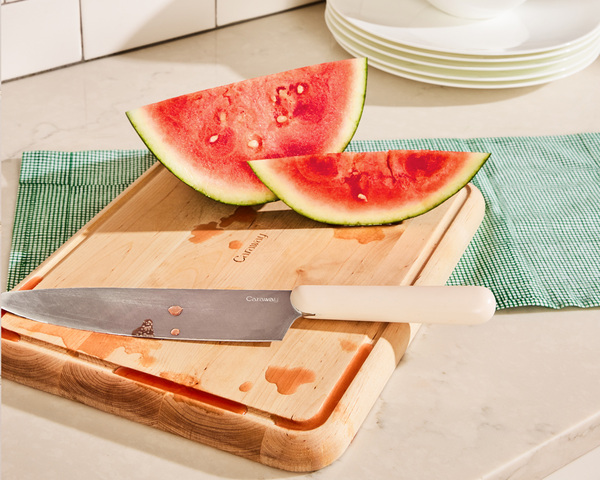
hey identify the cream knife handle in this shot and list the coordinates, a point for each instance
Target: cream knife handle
(406, 304)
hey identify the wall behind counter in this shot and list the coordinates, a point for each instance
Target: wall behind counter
(40, 35)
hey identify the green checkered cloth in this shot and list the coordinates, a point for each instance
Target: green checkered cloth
(59, 192)
(538, 244)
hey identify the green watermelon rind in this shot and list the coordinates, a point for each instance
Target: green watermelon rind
(356, 110)
(336, 215)
(239, 195)
(170, 159)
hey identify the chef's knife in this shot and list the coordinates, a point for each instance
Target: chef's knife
(244, 315)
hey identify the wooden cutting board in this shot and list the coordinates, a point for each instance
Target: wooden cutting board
(294, 404)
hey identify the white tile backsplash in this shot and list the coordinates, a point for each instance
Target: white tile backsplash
(111, 26)
(39, 35)
(230, 11)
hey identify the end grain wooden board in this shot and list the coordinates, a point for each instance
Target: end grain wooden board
(294, 404)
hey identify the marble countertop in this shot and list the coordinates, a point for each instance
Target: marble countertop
(516, 398)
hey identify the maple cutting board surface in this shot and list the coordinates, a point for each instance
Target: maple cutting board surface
(294, 404)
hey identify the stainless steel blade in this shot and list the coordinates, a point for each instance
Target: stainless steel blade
(179, 314)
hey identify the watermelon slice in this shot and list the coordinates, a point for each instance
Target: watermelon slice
(368, 188)
(206, 138)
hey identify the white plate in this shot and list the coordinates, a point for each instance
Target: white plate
(449, 75)
(457, 70)
(413, 74)
(472, 62)
(535, 26)
(465, 83)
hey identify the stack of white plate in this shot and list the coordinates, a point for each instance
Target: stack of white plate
(537, 42)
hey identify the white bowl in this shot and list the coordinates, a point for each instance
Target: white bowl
(476, 9)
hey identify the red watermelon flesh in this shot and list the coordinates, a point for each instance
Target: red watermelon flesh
(368, 188)
(206, 138)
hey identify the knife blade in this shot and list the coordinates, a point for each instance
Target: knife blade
(244, 315)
